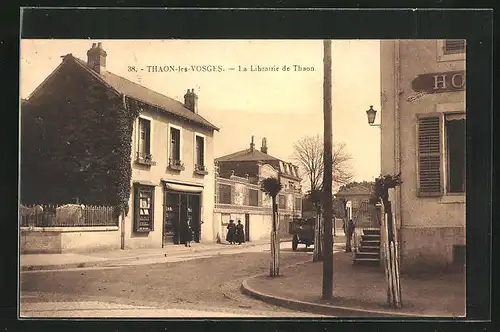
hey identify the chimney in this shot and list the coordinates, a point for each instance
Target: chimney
(252, 145)
(96, 58)
(263, 148)
(191, 101)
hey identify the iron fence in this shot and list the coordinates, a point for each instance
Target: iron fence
(67, 216)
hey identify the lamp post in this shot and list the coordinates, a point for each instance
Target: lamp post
(371, 114)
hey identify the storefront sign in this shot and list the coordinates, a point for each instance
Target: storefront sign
(439, 82)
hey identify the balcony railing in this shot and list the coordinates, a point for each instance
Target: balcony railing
(175, 164)
(144, 158)
(200, 169)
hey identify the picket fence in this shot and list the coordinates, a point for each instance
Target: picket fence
(67, 215)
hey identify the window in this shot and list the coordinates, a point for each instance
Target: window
(455, 153)
(144, 208)
(298, 203)
(224, 193)
(174, 160)
(282, 202)
(200, 153)
(452, 46)
(175, 144)
(451, 50)
(253, 197)
(441, 167)
(144, 142)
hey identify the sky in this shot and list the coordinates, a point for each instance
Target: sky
(282, 106)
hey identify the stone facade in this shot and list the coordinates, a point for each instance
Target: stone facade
(256, 216)
(431, 222)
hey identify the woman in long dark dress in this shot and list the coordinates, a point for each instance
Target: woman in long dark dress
(240, 233)
(231, 228)
(187, 233)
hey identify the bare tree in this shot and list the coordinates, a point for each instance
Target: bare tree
(308, 153)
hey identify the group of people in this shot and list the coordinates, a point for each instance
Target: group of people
(235, 232)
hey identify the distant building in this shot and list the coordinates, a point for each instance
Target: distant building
(423, 120)
(239, 196)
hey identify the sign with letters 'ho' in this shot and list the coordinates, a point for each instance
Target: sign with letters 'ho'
(439, 82)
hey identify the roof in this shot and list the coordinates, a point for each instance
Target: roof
(145, 95)
(355, 190)
(247, 155)
(257, 155)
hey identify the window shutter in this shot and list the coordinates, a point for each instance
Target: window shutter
(147, 129)
(152, 213)
(202, 151)
(454, 46)
(429, 156)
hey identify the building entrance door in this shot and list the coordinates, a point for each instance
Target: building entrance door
(179, 208)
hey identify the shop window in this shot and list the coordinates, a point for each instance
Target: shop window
(144, 208)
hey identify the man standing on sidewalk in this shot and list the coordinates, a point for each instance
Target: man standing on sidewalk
(349, 234)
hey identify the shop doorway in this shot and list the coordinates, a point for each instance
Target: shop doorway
(179, 208)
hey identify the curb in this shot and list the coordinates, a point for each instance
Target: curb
(27, 268)
(317, 308)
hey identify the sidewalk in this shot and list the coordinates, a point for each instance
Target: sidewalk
(360, 291)
(32, 262)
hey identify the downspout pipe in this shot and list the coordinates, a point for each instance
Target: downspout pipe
(122, 216)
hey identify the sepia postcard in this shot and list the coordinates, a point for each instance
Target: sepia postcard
(187, 178)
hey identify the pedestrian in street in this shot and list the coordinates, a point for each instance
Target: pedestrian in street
(231, 230)
(240, 233)
(349, 234)
(187, 233)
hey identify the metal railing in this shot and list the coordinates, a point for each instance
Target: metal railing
(69, 215)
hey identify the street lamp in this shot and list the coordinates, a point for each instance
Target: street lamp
(371, 114)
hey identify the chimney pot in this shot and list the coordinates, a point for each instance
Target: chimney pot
(263, 148)
(191, 100)
(96, 58)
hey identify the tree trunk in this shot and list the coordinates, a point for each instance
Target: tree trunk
(274, 269)
(318, 243)
(327, 173)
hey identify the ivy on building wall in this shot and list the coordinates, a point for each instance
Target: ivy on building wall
(76, 143)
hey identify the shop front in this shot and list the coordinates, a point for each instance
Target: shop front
(182, 207)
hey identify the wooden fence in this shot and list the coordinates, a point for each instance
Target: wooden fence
(69, 215)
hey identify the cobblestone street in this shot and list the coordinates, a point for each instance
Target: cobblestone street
(196, 287)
